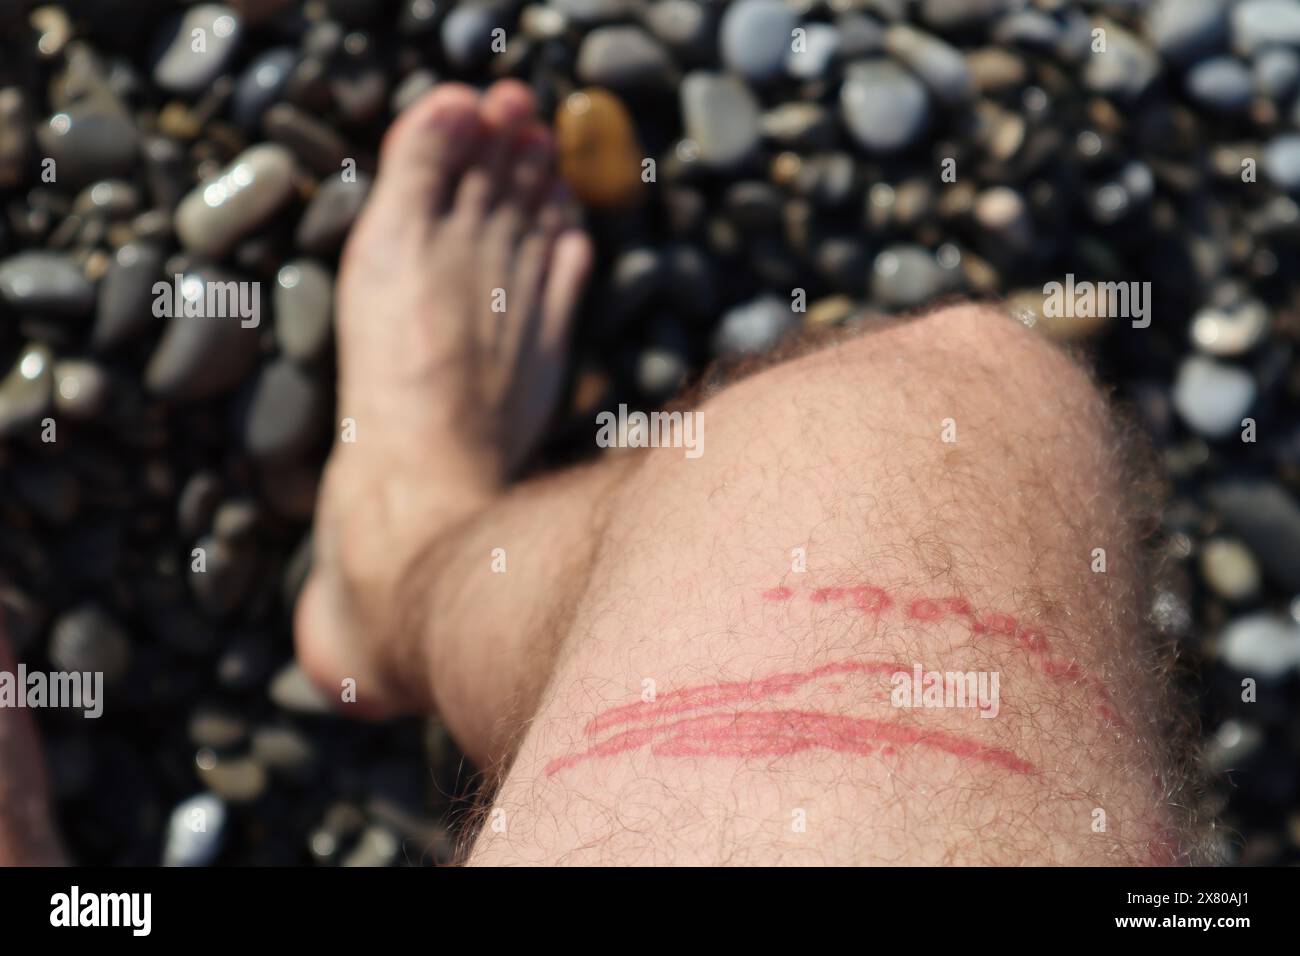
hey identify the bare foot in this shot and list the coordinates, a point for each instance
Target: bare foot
(454, 299)
(27, 836)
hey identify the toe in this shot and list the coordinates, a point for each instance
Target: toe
(427, 148)
(507, 107)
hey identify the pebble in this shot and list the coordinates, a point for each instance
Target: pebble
(1223, 83)
(467, 32)
(1230, 569)
(312, 142)
(598, 154)
(233, 779)
(1232, 328)
(588, 12)
(304, 309)
(1281, 162)
(860, 36)
(961, 14)
(721, 118)
(941, 67)
(89, 143)
(754, 38)
(227, 576)
(1125, 69)
(1266, 517)
(201, 356)
(684, 26)
(283, 750)
(285, 413)
(88, 639)
(1261, 644)
(220, 730)
(26, 391)
(293, 690)
(330, 214)
(885, 108)
(753, 327)
(45, 283)
(377, 846)
(81, 389)
(125, 304)
(261, 84)
(813, 61)
(1258, 24)
(195, 831)
(1277, 72)
(623, 58)
(197, 503)
(184, 70)
(799, 126)
(1184, 31)
(1212, 397)
(15, 137)
(220, 211)
(906, 276)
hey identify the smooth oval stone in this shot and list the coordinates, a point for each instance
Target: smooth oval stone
(1186, 30)
(1257, 24)
(304, 309)
(906, 276)
(1030, 28)
(377, 846)
(81, 388)
(961, 14)
(285, 412)
(1211, 397)
(261, 84)
(283, 749)
(1277, 72)
(1281, 162)
(26, 391)
(754, 38)
(813, 60)
(941, 67)
(181, 68)
(1267, 518)
(799, 126)
(292, 690)
(1231, 329)
(235, 779)
(588, 12)
(1222, 83)
(860, 36)
(217, 213)
(599, 157)
(227, 576)
(1125, 69)
(885, 108)
(15, 137)
(46, 283)
(359, 90)
(1230, 569)
(316, 145)
(109, 199)
(753, 327)
(217, 729)
(623, 58)
(204, 355)
(467, 32)
(683, 26)
(195, 831)
(330, 214)
(1262, 644)
(88, 144)
(125, 305)
(721, 116)
(88, 639)
(197, 503)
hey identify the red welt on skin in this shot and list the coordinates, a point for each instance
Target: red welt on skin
(777, 733)
(732, 692)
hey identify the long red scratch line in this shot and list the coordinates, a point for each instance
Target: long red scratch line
(715, 695)
(775, 733)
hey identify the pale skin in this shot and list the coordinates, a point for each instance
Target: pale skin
(685, 660)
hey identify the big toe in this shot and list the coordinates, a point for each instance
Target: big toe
(427, 148)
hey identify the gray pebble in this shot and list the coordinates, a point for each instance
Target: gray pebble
(187, 71)
(377, 846)
(623, 58)
(1261, 644)
(1257, 24)
(813, 60)
(313, 142)
(234, 779)
(1212, 397)
(1231, 327)
(753, 327)
(25, 393)
(1281, 162)
(87, 639)
(800, 126)
(45, 283)
(941, 67)
(587, 12)
(467, 32)
(219, 212)
(755, 38)
(198, 500)
(961, 14)
(88, 143)
(884, 106)
(330, 214)
(292, 690)
(1124, 69)
(1186, 30)
(1277, 72)
(1222, 83)
(283, 749)
(261, 84)
(906, 276)
(195, 831)
(217, 729)
(1230, 569)
(226, 577)
(81, 389)
(684, 26)
(721, 117)
(304, 309)
(285, 413)
(15, 137)
(1267, 518)
(125, 305)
